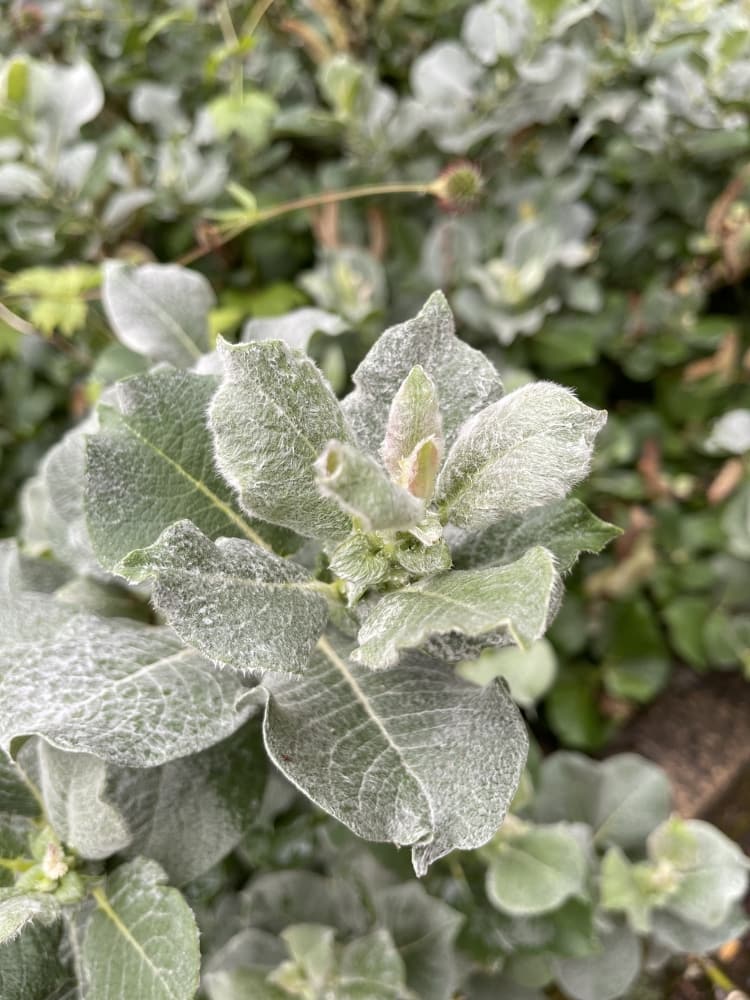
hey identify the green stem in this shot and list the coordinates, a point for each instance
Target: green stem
(16, 864)
(717, 976)
(231, 40)
(310, 201)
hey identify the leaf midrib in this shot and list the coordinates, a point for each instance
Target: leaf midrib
(332, 656)
(108, 910)
(164, 316)
(201, 487)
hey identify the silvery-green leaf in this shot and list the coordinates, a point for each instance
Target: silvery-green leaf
(19, 912)
(53, 504)
(393, 755)
(19, 572)
(496, 28)
(64, 98)
(151, 464)
(362, 489)
(73, 787)
(622, 799)
(311, 947)
(16, 797)
(518, 600)
(535, 871)
(30, 967)
(125, 692)
(240, 605)
(424, 929)
(731, 433)
(414, 417)
(529, 673)
(250, 949)
(271, 418)
(371, 967)
(634, 889)
(142, 935)
(696, 938)
(464, 379)
(713, 871)
(190, 813)
(240, 983)
(104, 598)
(566, 528)
(295, 328)
(360, 564)
(160, 310)
(423, 560)
(274, 900)
(605, 975)
(528, 449)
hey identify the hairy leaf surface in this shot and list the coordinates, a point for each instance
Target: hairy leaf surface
(160, 310)
(30, 967)
(394, 755)
(142, 937)
(151, 464)
(465, 380)
(240, 605)
(517, 600)
(271, 418)
(363, 490)
(528, 449)
(126, 692)
(622, 799)
(567, 528)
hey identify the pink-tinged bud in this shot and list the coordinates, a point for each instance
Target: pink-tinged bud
(421, 468)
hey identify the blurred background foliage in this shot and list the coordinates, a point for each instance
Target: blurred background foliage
(609, 251)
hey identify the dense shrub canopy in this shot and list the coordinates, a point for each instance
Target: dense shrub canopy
(253, 527)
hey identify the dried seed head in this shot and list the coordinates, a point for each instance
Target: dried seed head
(459, 186)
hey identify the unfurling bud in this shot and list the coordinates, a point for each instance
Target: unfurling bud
(413, 445)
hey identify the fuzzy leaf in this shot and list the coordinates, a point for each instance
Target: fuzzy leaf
(30, 968)
(393, 755)
(141, 933)
(19, 912)
(622, 799)
(535, 871)
(528, 449)
(360, 564)
(362, 489)
(713, 871)
(567, 528)
(151, 464)
(633, 889)
(424, 930)
(529, 673)
(517, 600)
(190, 813)
(295, 328)
(414, 417)
(126, 692)
(464, 379)
(160, 310)
(274, 900)
(240, 605)
(16, 798)
(606, 974)
(271, 418)
(371, 967)
(53, 503)
(73, 787)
